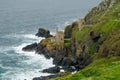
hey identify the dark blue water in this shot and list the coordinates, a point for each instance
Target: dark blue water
(20, 20)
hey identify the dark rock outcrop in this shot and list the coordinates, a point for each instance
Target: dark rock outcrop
(41, 49)
(111, 46)
(45, 77)
(58, 60)
(67, 61)
(77, 53)
(55, 69)
(73, 46)
(103, 6)
(69, 68)
(69, 29)
(43, 33)
(95, 37)
(30, 47)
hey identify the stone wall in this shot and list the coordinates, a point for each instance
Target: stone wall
(59, 36)
(81, 23)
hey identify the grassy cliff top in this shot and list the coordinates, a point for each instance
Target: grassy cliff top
(106, 60)
(102, 69)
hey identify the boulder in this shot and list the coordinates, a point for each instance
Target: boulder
(40, 78)
(30, 47)
(57, 60)
(41, 49)
(43, 33)
(55, 69)
(45, 77)
(69, 68)
(67, 61)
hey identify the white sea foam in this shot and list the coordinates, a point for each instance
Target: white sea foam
(18, 49)
(29, 39)
(30, 36)
(31, 65)
(33, 57)
(18, 74)
(1, 66)
(38, 63)
(4, 49)
(22, 36)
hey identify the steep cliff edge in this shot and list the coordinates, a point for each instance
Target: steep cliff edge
(104, 6)
(98, 43)
(88, 42)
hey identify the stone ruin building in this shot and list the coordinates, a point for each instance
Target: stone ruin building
(80, 23)
(58, 38)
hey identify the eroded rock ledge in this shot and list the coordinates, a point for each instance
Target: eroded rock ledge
(77, 48)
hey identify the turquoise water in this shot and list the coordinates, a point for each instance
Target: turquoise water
(20, 20)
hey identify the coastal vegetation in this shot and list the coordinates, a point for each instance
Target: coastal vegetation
(90, 46)
(104, 29)
(102, 69)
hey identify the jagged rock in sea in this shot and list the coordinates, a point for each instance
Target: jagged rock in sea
(46, 77)
(77, 54)
(55, 69)
(43, 33)
(31, 47)
(41, 49)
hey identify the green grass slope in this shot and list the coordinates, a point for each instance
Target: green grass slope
(107, 25)
(102, 69)
(106, 61)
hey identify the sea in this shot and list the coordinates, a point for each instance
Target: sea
(20, 21)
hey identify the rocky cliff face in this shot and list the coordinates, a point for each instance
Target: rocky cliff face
(100, 38)
(103, 6)
(94, 40)
(111, 46)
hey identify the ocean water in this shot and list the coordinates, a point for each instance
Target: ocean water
(19, 22)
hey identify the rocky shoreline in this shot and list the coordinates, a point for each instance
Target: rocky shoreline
(67, 53)
(59, 52)
(73, 49)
